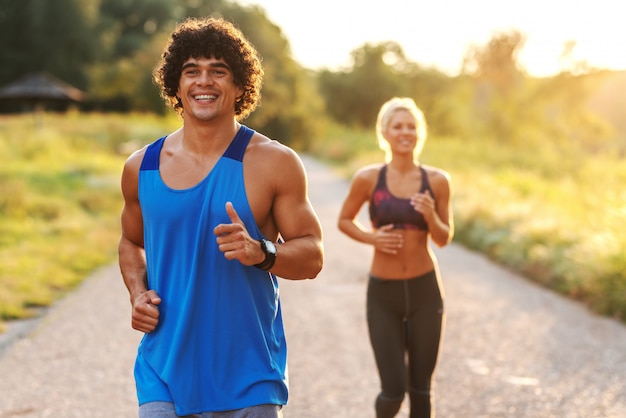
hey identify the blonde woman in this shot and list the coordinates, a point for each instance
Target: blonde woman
(409, 203)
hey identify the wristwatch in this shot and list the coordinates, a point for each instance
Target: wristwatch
(269, 248)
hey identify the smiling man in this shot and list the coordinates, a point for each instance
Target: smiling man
(213, 213)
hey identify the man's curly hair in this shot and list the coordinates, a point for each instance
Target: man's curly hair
(211, 37)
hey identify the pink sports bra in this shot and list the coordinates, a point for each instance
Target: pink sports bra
(385, 208)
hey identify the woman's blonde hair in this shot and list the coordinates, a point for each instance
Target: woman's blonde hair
(387, 110)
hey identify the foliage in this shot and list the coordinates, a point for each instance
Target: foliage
(512, 107)
(60, 201)
(611, 106)
(126, 27)
(493, 97)
(291, 110)
(126, 84)
(353, 97)
(574, 123)
(443, 98)
(114, 44)
(499, 102)
(41, 35)
(111, 47)
(545, 216)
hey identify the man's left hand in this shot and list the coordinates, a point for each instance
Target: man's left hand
(235, 242)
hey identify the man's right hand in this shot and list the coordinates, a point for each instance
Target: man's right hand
(145, 315)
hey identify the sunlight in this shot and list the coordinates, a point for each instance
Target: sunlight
(434, 33)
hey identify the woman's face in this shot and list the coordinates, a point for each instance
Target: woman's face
(401, 132)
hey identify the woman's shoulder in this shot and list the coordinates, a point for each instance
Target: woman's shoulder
(369, 171)
(436, 173)
(438, 178)
(366, 177)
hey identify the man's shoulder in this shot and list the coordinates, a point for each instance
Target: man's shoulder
(135, 159)
(271, 151)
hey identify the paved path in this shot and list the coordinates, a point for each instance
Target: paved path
(511, 349)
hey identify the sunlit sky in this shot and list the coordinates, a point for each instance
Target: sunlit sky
(322, 33)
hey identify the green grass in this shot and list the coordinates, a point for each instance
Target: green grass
(60, 201)
(558, 216)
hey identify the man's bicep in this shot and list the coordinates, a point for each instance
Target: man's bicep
(300, 222)
(293, 213)
(132, 224)
(131, 217)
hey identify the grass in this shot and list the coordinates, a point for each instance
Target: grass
(558, 216)
(60, 201)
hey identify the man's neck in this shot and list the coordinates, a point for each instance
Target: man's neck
(209, 137)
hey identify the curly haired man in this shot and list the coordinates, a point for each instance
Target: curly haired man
(213, 213)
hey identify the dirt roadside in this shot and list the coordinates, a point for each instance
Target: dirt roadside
(511, 348)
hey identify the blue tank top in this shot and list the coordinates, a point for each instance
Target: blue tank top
(385, 208)
(220, 342)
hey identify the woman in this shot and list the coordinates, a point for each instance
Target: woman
(408, 203)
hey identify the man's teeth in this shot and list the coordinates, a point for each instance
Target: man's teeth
(205, 97)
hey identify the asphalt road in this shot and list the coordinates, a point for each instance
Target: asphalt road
(510, 349)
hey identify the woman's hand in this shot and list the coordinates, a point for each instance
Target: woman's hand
(424, 204)
(387, 241)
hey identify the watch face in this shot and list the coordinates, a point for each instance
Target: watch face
(271, 248)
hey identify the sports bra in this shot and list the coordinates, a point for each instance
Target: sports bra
(385, 208)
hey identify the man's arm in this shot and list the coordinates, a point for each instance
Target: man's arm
(132, 259)
(278, 194)
(301, 256)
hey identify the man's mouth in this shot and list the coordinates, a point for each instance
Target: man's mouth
(205, 97)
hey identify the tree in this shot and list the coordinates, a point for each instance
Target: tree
(354, 97)
(290, 105)
(513, 107)
(41, 35)
(567, 119)
(127, 26)
(499, 88)
(126, 83)
(443, 99)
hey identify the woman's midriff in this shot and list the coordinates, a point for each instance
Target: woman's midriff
(412, 260)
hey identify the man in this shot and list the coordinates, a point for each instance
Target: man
(213, 212)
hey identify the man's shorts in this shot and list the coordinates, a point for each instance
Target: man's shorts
(166, 410)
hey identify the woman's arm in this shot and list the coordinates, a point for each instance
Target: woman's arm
(383, 239)
(437, 211)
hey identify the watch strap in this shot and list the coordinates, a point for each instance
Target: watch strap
(270, 258)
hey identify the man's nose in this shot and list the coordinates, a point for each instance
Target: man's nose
(205, 78)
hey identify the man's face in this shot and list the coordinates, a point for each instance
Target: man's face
(207, 90)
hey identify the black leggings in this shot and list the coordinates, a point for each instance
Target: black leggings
(405, 317)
